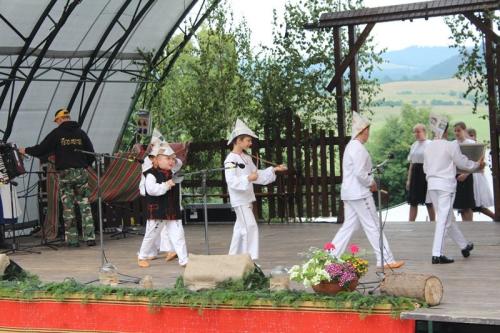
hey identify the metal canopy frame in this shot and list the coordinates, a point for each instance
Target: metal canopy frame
(421, 10)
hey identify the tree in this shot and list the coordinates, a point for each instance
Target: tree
(472, 68)
(396, 137)
(293, 73)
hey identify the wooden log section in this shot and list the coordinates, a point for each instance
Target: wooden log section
(421, 286)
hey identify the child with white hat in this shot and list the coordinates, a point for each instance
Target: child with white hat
(356, 193)
(162, 242)
(162, 206)
(241, 174)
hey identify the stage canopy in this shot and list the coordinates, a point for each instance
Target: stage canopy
(87, 55)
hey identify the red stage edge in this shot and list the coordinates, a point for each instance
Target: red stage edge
(134, 315)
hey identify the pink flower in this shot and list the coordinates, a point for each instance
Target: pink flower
(328, 246)
(354, 249)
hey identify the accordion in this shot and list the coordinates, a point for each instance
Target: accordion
(11, 162)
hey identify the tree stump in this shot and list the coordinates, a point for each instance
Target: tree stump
(420, 286)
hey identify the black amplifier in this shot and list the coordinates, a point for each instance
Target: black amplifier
(217, 213)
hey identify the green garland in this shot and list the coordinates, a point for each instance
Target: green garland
(238, 294)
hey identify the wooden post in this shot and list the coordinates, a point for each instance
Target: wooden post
(223, 149)
(298, 167)
(339, 97)
(353, 71)
(279, 180)
(270, 187)
(289, 160)
(333, 192)
(258, 189)
(492, 110)
(314, 158)
(324, 172)
(307, 172)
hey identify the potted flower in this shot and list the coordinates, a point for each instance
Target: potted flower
(326, 273)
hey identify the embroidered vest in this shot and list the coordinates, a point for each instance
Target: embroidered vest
(166, 206)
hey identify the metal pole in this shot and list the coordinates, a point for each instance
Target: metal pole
(99, 208)
(205, 213)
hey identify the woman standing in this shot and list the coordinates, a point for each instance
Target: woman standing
(482, 194)
(416, 184)
(464, 199)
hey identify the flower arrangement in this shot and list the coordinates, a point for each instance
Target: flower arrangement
(322, 265)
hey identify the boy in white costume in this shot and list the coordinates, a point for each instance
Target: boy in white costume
(356, 193)
(163, 206)
(441, 159)
(240, 177)
(162, 242)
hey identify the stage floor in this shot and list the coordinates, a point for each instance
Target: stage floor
(471, 286)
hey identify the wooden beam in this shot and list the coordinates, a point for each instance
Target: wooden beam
(483, 27)
(492, 115)
(341, 68)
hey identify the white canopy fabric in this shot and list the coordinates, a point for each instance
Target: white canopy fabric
(48, 46)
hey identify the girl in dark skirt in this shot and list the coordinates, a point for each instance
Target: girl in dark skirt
(416, 184)
(464, 198)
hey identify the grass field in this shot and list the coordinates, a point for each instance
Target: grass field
(423, 93)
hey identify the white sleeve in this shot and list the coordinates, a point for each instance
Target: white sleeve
(265, 176)
(153, 188)
(236, 182)
(142, 190)
(411, 152)
(460, 160)
(362, 170)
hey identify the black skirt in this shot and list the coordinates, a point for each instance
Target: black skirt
(418, 185)
(464, 198)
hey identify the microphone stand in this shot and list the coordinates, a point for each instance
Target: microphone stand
(377, 172)
(204, 174)
(99, 157)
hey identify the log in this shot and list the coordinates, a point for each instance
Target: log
(420, 286)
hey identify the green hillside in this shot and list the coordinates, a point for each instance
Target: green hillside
(441, 96)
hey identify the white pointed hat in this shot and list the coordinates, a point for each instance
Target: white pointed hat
(156, 138)
(359, 123)
(438, 125)
(163, 148)
(240, 128)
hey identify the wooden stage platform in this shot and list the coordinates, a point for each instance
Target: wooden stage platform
(471, 286)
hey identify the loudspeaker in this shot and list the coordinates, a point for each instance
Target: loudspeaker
(206, 271)
(194, 213)
(10, 270)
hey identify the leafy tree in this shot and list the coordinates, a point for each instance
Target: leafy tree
(293, 73)
(396, 137)
(472, 68)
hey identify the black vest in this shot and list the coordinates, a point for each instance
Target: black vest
(166, 206)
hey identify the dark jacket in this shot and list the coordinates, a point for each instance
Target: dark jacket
(63, 141)
(166, 206)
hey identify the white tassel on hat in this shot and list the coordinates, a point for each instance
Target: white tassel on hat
(438, 125)
(359, 123)
(240, 128)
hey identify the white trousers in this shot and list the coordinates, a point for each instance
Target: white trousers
(445, 221)
(245, 233)
(172, 231)
(362, 213)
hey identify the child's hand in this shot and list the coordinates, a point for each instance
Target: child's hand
(170, 183)
(280, 167)
(253, 176)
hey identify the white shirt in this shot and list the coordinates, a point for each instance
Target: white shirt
(239, 188)
(148, 164)
(356, 170)
(441, 159)
(416, 154)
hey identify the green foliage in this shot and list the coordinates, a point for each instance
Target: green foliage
(396, 136)
(293, 73)
(238, 294)
(472, 69)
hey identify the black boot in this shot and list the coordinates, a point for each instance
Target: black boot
(467, 249)
(442, 260)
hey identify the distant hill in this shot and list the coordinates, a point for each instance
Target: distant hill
(418, 63)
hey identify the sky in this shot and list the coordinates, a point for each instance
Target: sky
(390, 35)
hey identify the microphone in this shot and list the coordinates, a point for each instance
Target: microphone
(390, 156)
(379, 166)
(136, 159)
